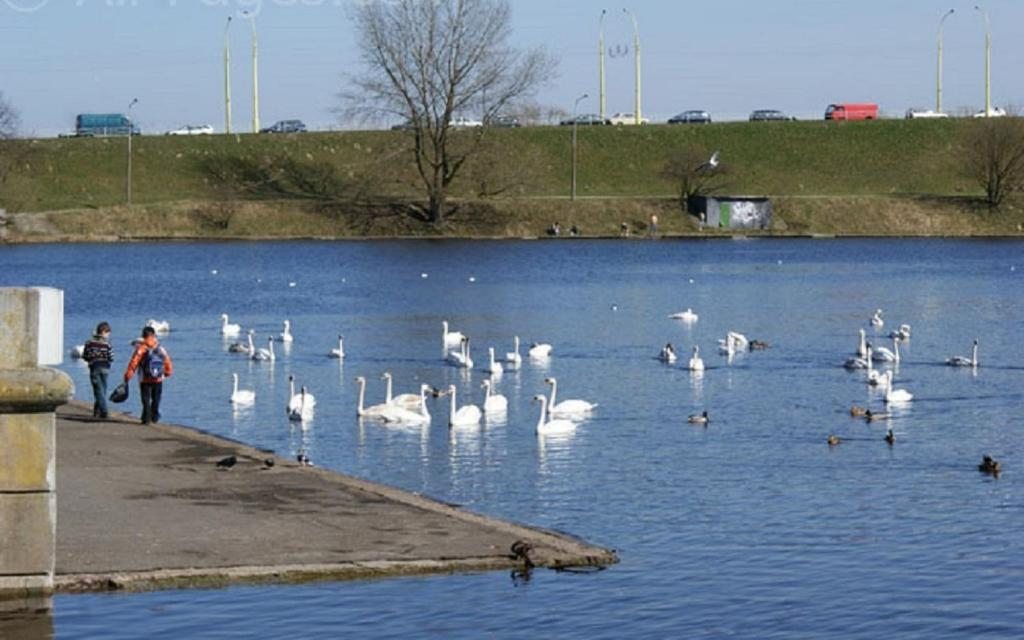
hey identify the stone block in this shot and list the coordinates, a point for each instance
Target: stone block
(27, 452)
(27, 534)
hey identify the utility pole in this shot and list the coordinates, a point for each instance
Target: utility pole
(938, 80)
(988, 62)
(575, 126)
(131, 134)
(600, 62)
(636, 51)
(227, 78)
(255, 74)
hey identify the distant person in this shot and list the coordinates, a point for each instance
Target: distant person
(624, 229)
(654, 225)
(574, 231)
(99, 354)
(153, 363)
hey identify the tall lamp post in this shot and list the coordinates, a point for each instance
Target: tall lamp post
(575, 125)
(988, 62)
(255, 74)
(131, 134)
(227, 78)
(600, 62)
(636, 51)
(938, 77)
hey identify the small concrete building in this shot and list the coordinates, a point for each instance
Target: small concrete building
(733, 212)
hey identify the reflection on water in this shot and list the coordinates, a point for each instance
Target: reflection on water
(26, 618)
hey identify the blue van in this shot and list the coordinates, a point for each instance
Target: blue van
(104, 124)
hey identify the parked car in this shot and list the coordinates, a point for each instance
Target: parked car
(852, 111)
(766, 115)
(625, 118)
(462, 122)
(192, 130)
(996, 112)
(914, 114)
(585, 119)
(504, 121)
(693, 116)
(285, 126)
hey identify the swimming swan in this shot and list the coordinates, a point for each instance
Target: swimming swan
(241, 396)
(377, 411)
(513, 357)
(227, 329)
(686, 316)
(881, 354)
(895, 396)
(493, 402)
(696, 364)
(494, 368)
(419, 416)
(450, 339)
(300, 405)
(668, 354)
(160, 326)
(286, 333)
(265, 355)
(876, 320)
(862, 346)
(410, 401)
(539, 350)
(244, 347)
(572, 409)
(338, 353)
(960, 361)
(550, 427)
(461, 358)
(467, 416)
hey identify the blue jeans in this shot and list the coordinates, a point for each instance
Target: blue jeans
(98, 378)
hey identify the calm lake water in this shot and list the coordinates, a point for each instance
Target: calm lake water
(750, 528)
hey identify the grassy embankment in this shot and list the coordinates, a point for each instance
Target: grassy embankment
(875, 178)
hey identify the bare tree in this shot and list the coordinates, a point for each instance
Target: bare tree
(8, 119)
(994, 157)
(695, 172)
(428, 61)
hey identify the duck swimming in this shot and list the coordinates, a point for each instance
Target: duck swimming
(701, 418)
(989, 465)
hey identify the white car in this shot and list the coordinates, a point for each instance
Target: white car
(193, 130)
(626, 118)
(996, 112)
(466, 122)
(913, 114)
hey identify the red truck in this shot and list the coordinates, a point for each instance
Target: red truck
(850, 111)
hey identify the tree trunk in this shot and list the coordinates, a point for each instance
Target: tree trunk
(435, 206)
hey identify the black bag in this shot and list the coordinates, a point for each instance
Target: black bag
(120, 393)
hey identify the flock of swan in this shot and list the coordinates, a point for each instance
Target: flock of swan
(411, 409)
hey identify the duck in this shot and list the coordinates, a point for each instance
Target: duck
(759, 345)
(686, 316)
(241, 397)
(668, 354)
(696, 364)
(494, 403)
(834, 440)
(858, 412)
(874, 416)
(876, 320)
(961, 361)
(494, 367)
(699, 418)
(513, 358)
(418, 416)
(466, 416)
(539, 350)
(572, 409)
(265, 355)
(410, 401)
(546, 427)
(286, 333)
(461, 358)
(246, 347)
(339, 353)
(989, 465)
(227, 329)
(450, 339)
(895, 396)
(890, 437)
(160, 326)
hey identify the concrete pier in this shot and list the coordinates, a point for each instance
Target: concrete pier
(147, 507)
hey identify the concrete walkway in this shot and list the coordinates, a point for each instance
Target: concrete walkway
(147, 507)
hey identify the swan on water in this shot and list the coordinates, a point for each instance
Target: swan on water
(961, 361)
(553, 426)
(246, 347)
(540, 350)
(227, 329)
(699, 418)
(265, 355)
(572, 409)
(304, 409)
(494, 368)
(286, 333)
(685, 316)
(467, 416)
(668, 354)
(513, 357)
(696, 364)
(902, 333)
(160, 326)
(461, 358)
(876, 320)
(862, 346)
(77, 351)
(881, 354)
(493, 402)
(419, 416)
(241, 396)
(853, 364)
(377, 411)
(410, 401)
(338, 353)
(895, 396)
(450, 339)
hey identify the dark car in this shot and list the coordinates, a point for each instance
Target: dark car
(585, 119)
(285, 126)
(693, 116)
(768, 115)
(503, 121)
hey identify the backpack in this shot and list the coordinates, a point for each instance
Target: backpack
(153, 363)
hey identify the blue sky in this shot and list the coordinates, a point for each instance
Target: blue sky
(62, 57)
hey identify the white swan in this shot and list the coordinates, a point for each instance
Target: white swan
(493, 402)
(513, 357)
(461, 358)
(77, 352)
(494, 368)
(895, 396)
(876, 320)
(227, 329)
(338, 353)
(739, 341)
(567, 408)
(961, 361)
(467, 416)
(241, 396)
(246, 347)
(902, 333)
(881, 354)
(685, 316)
(852, 364)
(302, 406)
(265, 355)
(668, 354)
(549, 427)
(696, 364)
(410, 401)
(400, 415)
(297, 400)
(862, 346)
(286, 333)
(160, 326)
(450, 339)
(875, 379)
(377, 411)
(539, 350)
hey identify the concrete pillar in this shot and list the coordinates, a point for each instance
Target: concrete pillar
(31, 334)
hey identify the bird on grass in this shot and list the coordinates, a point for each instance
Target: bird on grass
(227, 463)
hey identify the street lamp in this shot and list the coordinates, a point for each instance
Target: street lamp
(255, 74)
(131, 134)
(600, 60)
(636, 51)
(988, 62)
(227, 78)
(575, 125)
(938, 77)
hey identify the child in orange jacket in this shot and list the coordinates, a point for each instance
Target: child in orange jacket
(154, 366)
